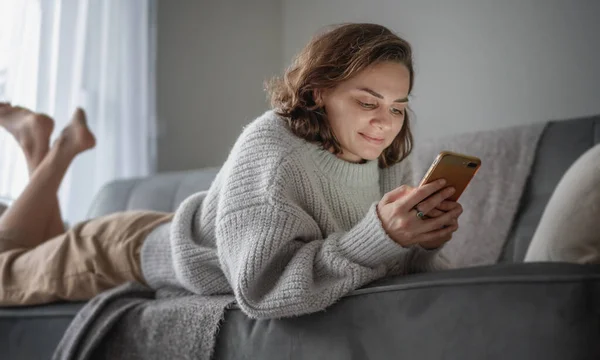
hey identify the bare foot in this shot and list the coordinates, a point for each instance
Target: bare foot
(77, 137)
(31, 130)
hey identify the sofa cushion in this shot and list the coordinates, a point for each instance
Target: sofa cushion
(560, 145)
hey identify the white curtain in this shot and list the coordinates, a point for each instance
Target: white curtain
(19, 44)
(97, 54)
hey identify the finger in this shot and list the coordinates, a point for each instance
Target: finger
(453, 221)
(393, 195)
(421, 193)
(434, 200)
(436, 223)
(447, 205)
(435, 213)
(438, 237)
(442, 208)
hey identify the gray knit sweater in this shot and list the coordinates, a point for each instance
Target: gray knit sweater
(286, 226)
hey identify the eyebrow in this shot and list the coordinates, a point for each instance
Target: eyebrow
(377, 95)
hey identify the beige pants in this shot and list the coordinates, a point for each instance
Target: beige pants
(569, 230)
(91, 257)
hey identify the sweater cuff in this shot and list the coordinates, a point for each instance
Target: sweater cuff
(155, 258)
(425, 260)
(368, 244)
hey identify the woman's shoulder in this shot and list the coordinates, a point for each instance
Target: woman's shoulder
(267, 135)
(264, 144)
(262, 157)
(271, 125)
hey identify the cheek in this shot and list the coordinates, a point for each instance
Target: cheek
(396, 130)
(343, 118)
(338, 108)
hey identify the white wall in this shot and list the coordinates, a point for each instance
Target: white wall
(212, 59)
(480, 64)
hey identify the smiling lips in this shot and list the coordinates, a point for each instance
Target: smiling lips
(374, 140)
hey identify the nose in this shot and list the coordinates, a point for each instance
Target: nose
(382, 119)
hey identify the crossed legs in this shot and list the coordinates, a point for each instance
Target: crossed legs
(40, 262)
(35, 215)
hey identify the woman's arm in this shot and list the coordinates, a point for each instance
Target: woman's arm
(279, 266)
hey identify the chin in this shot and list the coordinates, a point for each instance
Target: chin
(370, 156)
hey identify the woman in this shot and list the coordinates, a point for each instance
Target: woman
(313, 201)
(307, 207)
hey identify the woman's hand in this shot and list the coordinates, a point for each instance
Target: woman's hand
(398, 211)
(441, 209)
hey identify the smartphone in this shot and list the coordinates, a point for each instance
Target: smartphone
(457, 169)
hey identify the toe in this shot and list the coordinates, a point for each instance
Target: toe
(80, 115)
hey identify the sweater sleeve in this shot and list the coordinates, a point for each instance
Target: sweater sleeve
(278, 266)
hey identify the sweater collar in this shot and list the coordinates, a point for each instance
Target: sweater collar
(342, 171)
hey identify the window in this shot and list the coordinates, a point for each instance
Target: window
(56, 55)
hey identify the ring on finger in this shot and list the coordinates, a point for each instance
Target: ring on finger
(420, 214)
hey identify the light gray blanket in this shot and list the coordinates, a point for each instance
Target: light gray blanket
(133, 322)
(491, 200)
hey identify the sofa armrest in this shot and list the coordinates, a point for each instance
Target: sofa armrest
(161, 192)
(507, 311)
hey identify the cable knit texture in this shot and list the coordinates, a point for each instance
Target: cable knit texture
(286, 226)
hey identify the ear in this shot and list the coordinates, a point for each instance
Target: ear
(318, 96)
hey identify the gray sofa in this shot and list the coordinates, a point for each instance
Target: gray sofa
(507, 310)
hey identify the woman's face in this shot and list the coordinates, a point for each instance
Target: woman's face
(366, 112)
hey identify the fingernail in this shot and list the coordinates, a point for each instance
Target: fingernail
(442, 182)
(450, 191)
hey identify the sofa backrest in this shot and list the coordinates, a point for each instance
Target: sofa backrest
(560, 145)
(160, 192)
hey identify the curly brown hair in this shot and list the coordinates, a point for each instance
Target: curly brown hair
(328, 59)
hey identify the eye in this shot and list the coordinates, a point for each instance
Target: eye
(397, 111)
(366, 105)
